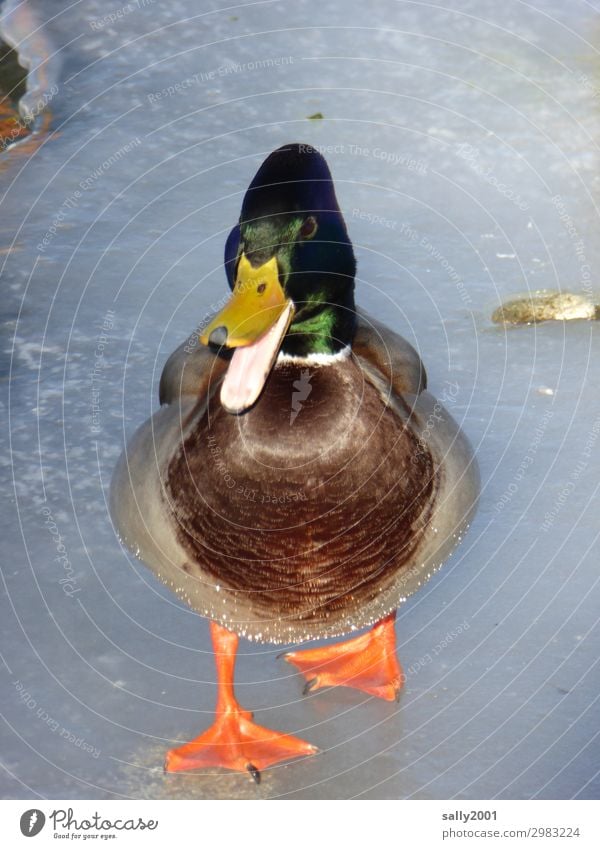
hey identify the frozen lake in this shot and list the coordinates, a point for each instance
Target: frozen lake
(462, 138)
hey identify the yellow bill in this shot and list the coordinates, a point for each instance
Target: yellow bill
(254, 322)
(255, 305)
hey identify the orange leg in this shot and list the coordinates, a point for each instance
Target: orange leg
(367, 663)
(234, 741)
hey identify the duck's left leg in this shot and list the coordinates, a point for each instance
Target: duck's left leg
(367, 663)
(234, 741)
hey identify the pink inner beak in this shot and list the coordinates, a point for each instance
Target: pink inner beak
(251, 365)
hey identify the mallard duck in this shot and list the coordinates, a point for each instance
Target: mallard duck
(298, 481)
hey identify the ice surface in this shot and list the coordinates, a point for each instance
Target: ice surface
(471, 129)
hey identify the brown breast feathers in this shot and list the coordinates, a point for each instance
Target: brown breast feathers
(308, 505)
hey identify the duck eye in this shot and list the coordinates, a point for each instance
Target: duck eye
(261, 288)
(309, 228)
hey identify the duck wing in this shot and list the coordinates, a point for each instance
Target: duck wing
(389, 354)
(189, 372)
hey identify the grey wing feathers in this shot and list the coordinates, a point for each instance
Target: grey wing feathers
(189, 371)
(392, 355)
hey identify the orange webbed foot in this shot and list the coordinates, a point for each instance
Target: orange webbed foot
(366, 663)
(235, 742)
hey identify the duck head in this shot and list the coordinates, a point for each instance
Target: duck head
(291, 267)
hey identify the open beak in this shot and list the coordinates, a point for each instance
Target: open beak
(254, 322)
